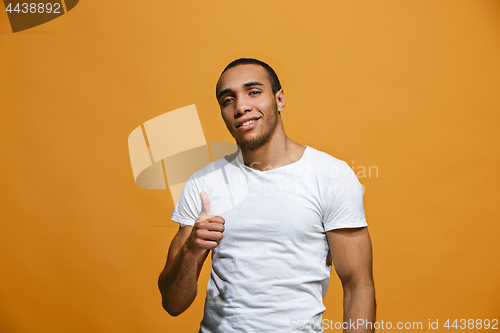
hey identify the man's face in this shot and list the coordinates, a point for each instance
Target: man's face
(245, 93)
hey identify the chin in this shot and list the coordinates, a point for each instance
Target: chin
(253, 143)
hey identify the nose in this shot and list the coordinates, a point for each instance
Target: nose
(242, 105)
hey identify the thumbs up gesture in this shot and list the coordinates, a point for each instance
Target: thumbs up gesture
(207, 230)
(205, 202)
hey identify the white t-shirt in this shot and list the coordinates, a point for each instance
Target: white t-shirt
(269, 272)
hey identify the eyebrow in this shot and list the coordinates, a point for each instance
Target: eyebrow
(245, 85)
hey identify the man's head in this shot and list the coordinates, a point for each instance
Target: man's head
(249, 90)
(272, 77)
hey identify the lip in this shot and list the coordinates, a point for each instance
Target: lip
(238, 124)
(249, 126)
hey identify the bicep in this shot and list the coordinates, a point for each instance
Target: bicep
(176, 245)
(351, 253)
(178, 241)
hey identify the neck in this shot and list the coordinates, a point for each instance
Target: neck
(278, 151)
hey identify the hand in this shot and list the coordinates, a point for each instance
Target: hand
(207, 230)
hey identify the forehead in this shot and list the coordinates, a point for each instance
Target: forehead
(235, 77)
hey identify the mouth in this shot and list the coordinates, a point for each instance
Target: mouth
(249, 124)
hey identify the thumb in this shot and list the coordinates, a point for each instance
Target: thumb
(205, 202)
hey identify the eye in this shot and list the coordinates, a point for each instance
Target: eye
(227, 100)
(255, 92)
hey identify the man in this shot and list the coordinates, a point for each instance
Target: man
(282, 212)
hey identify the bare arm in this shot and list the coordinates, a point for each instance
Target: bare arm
(351, 252)
(187, 253)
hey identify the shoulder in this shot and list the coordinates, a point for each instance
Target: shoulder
(213, 168)
(215, 179)
(323, 156)
(322, 161)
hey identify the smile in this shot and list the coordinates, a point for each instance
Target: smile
(247, 125)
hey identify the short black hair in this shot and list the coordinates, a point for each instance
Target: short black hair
(273, 78)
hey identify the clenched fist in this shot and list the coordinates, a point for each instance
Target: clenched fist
(207, 230)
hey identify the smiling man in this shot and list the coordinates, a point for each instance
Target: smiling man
(275, 215)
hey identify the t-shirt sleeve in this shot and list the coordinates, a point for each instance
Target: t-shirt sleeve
(343, 205)
(188, 206)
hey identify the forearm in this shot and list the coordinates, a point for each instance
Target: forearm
(186, 255)
(178, 282)
(359, 307)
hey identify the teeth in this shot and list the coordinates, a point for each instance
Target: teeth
(248, 122)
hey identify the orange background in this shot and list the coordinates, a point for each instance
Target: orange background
(408, 86)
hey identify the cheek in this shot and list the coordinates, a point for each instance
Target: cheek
(225, 117)
(229, 123)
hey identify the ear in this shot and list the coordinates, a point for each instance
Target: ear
(280, 100)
